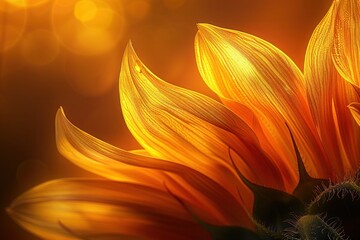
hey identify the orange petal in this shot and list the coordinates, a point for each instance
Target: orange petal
(211, 201)
(252, 72)
(78, 146)
(99, 209)
(329, 95)
(346, 48)
(186, 127)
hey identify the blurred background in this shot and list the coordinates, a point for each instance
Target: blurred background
(68, 53)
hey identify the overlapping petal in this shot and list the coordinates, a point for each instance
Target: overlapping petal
(328, 93)
(101, 209)
(248, 71)
(189, 128)
(195, 147)
(346, 48)
(208, 198)
(101, 158)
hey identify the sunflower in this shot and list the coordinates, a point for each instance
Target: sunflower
(276, 159)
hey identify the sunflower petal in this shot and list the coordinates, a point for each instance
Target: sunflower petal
(189, 128)
(100, 209)
(346, 48)
(79, 147)
(329, 94)
(252, 72)
(214, 203)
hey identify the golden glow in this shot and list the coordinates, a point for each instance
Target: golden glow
(96, 40)
(40, 47)
(87, 27)
(104, 19)
(85, 10)
(12, 25)
(185, 137)
(243, 76)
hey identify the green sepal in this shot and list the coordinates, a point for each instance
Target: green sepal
(307, 185)
(340, 201)
(311, 227)
(272, 208)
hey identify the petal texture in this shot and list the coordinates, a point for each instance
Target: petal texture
(189, 128)
(101, 209)
(206, 197)
(346, 48)
(99, 157)
(329, 94)
(249, 72)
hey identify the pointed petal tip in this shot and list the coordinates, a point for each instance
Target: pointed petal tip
(12, 212)
(206, 28)
(60, 116)
(202, 26)
(204, 33)
(130, 58)
(9, 210)
(129, 47)
(60, 111)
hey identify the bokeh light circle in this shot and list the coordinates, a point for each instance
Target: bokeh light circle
(12, 25)
(40, 47)
(88, 27)
(85, 10)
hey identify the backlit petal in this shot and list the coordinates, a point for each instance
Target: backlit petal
(346, 49)
(253, 73)
(78, 147)
(329, 95)
(101, 209)
(183, 126)
(208, 198)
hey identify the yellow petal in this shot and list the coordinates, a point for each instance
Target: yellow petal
(355, 111)
(329, 95)
(99, 157)
(99, 209)
(209, 198)
(186, 127)
(254, 73)
(346, 48)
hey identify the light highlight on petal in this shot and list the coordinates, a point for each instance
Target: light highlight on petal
(139, 167)
(329, 94)
(187, 127)
(99, 209)
(253, 73)
(346, 48)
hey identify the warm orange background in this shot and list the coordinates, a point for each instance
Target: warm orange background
(52, 59)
